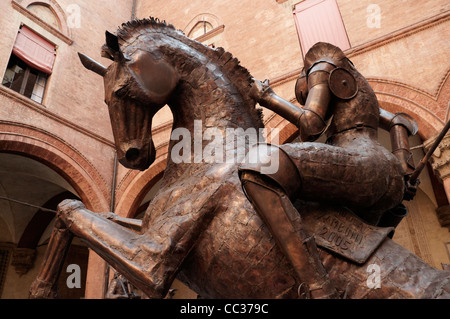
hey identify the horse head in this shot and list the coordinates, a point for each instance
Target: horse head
(153, 65)
(136, 86)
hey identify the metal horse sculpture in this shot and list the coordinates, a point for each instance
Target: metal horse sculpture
(200, 227)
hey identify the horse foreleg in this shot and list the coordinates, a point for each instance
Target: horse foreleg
(44, 285)
(122, 248)
(131, 223)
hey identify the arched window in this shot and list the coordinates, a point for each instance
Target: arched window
(49, 15)
(45, 13)
(201, 28)
(205, 28)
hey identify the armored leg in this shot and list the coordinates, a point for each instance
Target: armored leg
(269, 195)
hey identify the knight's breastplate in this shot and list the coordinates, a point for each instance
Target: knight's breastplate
(359, 113)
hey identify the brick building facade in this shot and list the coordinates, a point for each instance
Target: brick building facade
(61, 144)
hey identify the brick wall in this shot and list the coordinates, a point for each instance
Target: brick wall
(360, 16)
(70, 132)
(73, 109)
(407, 46)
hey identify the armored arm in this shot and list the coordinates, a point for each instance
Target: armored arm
(400, 126)
(265, 96)
(311, 119)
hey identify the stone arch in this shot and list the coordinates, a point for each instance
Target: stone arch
(40, 221)
(288, 132)
(59, 156)
(431, 110)
(135, 185)
(53, 6)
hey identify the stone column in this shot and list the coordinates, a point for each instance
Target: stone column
(440, 162)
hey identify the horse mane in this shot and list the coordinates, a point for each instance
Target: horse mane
(230, 66)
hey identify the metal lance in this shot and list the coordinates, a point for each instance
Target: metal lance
(423, 162)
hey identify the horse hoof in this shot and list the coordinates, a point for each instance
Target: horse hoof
(70, 205)
(42, 290)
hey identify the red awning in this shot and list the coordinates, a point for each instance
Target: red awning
(34, 50)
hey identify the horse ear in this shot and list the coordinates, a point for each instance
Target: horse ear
(112, 44)
(112, 41)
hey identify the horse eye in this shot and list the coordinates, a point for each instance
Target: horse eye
(121, 92)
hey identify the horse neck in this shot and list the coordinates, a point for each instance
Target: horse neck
(206, 101)
(216, 104)
(209, 90)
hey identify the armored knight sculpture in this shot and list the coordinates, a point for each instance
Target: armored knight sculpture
(201, 228)
(351, 169)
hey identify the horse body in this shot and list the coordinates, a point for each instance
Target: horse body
(200, 225)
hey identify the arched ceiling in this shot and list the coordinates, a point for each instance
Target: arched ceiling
(28, 181)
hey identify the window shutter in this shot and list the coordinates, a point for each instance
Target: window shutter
(320, 21)
(34, 50)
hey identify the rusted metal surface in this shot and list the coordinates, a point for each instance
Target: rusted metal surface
(200, 226)
(344, 233)
(342, 84)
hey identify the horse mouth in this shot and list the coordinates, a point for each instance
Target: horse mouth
(139, 158)
(132, 154)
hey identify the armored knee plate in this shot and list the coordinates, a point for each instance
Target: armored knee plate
(271, 162)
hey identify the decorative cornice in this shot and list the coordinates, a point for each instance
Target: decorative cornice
(381, 41)
(442, 83)
(403, 98)
(16, 97)
(23, 260)
(93, 174)
(162, 127)
(399, 34)
(287, 77)
(404, 85)
(210, 34)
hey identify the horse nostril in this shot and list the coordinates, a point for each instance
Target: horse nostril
(132, 154)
